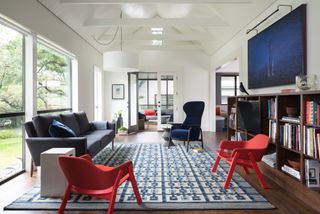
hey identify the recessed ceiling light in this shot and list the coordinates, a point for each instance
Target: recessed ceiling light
(156, 42)
(157, 30)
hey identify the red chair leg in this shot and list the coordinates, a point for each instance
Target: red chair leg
(257, 171)
(245, 169)
(216, 163)
(134, 186)
(65, 199)
(232, 167)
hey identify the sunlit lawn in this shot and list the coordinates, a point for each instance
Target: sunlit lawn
(10, 151)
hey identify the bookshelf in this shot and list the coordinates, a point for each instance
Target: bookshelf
(295, 137)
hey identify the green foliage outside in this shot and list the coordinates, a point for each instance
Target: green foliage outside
(10, 148)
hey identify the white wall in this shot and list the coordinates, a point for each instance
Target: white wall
(33, 16)
(192, 66)
(113, 106)
(237, 47)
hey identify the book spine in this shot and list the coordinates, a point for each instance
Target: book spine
(307, 112)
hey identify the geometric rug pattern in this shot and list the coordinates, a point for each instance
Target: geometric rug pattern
(167, 179)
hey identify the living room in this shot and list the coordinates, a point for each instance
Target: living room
(192, 54)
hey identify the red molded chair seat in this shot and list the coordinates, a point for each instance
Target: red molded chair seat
(95, 180)
(243, 153)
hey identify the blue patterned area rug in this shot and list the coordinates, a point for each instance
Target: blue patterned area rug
(167, 179)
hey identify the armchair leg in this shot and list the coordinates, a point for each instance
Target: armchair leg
(32, 168)
(188, 145)
(216, 163)
(257, 171)
(201, 138)
(65, 199)
(112, 144)
(135, 187)
(232, 167)
(245, 169)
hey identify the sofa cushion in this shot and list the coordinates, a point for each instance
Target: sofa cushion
(110, 134)
(83, 122)
(42, 122)
(57, 129)
(70, 120)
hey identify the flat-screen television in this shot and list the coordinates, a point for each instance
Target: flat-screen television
(277, 54)
(249, 117)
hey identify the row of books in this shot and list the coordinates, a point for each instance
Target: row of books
(290, 136)
(313, 112)
(272, 131)
(312, 172)
(288, 169)
(272, 110)
(312, 141)
(270, 159)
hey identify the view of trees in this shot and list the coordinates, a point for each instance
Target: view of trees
(53, 73)
(11, 75)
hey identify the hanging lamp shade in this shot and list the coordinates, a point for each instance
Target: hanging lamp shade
(120, 61)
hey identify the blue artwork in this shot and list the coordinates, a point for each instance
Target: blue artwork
(278, 54)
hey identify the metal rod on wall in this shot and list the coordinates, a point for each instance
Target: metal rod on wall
(265, 19)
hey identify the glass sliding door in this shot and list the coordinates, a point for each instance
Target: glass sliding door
(133, 102)
(165, 98)
(11, 103)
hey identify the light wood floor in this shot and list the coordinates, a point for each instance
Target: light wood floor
(283, 202)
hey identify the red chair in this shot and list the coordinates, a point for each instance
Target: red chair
(95, 180)
(243, 153)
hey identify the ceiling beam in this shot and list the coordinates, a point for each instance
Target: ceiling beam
(156, 22)
(156, 1)
(164, 37)
(150, 47)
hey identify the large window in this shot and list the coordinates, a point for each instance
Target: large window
(147, 91)
(11, 102)
(54, 80)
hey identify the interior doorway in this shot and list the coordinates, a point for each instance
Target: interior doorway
(227, 84)
(156, 99)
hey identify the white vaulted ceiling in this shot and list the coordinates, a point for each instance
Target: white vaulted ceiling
(187, 24)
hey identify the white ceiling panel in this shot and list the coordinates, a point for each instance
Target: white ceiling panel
(187, 24)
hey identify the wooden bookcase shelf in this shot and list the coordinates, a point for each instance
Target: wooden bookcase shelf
(280, 120)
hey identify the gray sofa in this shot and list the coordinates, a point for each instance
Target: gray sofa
(91, 138)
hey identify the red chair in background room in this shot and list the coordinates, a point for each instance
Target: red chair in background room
(243, 153)
(99, 181)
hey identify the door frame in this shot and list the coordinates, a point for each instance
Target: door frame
(132, 128)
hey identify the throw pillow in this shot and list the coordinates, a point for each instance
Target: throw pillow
(57, 129)
(149, 112)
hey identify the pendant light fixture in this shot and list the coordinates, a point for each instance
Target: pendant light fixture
(120, 61)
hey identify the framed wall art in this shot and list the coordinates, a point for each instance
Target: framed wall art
(117, 91)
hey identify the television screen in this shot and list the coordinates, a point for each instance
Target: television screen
(278, 54)
(249, 116)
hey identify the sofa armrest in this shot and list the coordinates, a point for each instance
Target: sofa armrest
(111, 125)
(37, 145)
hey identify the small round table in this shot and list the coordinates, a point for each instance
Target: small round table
(166, 135)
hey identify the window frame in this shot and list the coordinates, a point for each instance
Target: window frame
(18, 113)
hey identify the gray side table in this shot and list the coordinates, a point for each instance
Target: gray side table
(53, 182)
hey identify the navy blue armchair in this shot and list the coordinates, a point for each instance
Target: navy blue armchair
(190, 129)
